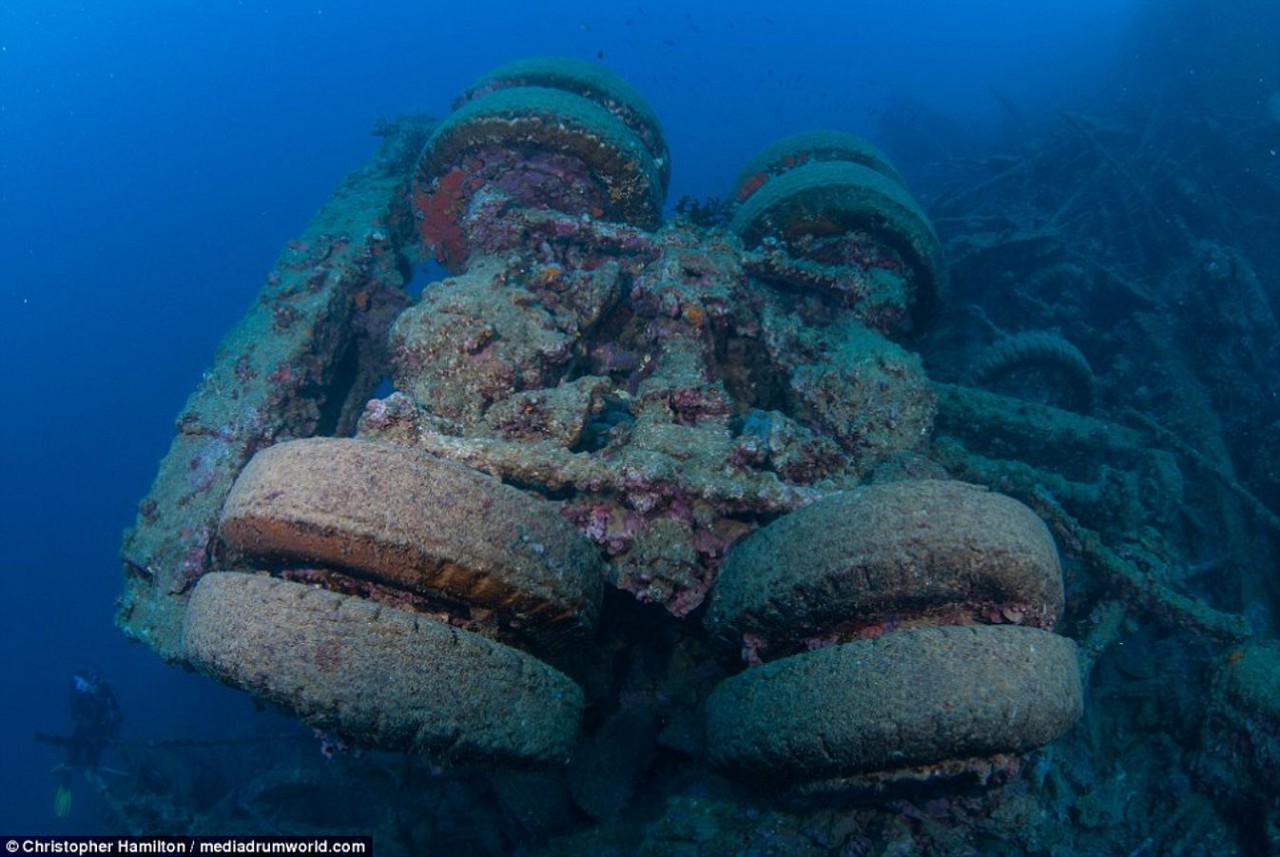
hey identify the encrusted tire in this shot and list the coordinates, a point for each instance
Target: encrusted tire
(910, 699)
(809, 147)
(541, 147)
(890, 585)
(1039, 366)
(416, 522)
(927, 551)
(851, 228)
(591, 82)
(383, 677)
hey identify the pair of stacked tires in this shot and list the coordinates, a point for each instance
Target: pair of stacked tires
(811, 195)
(910, 625)
(408, 547)
(397, 550)
(545, 133)
(901, 630)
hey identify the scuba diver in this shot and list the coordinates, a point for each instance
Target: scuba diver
(96, 719)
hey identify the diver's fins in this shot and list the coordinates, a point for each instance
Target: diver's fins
(62, 801)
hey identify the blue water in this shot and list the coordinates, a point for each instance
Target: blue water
(156, 156)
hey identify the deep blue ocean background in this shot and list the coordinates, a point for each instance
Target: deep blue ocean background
(156, 156)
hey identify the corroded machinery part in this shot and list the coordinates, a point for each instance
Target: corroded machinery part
(477, 338)
(414, 523)
(899, 553)
(809, 147)
(381, 676)
(593, 83)
(909, 703)
(866, 393)
(849, 229)
(536, 147)
(1039, 365)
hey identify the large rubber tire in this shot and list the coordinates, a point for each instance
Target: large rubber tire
(809, 147)
(894, 550)
(384, 677)
(593, 83)
(551, 120)
(908, 699)
(1036, 365)
(852, 196)
(413, 520)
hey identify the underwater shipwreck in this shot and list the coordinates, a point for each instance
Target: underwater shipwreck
(802, 521)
